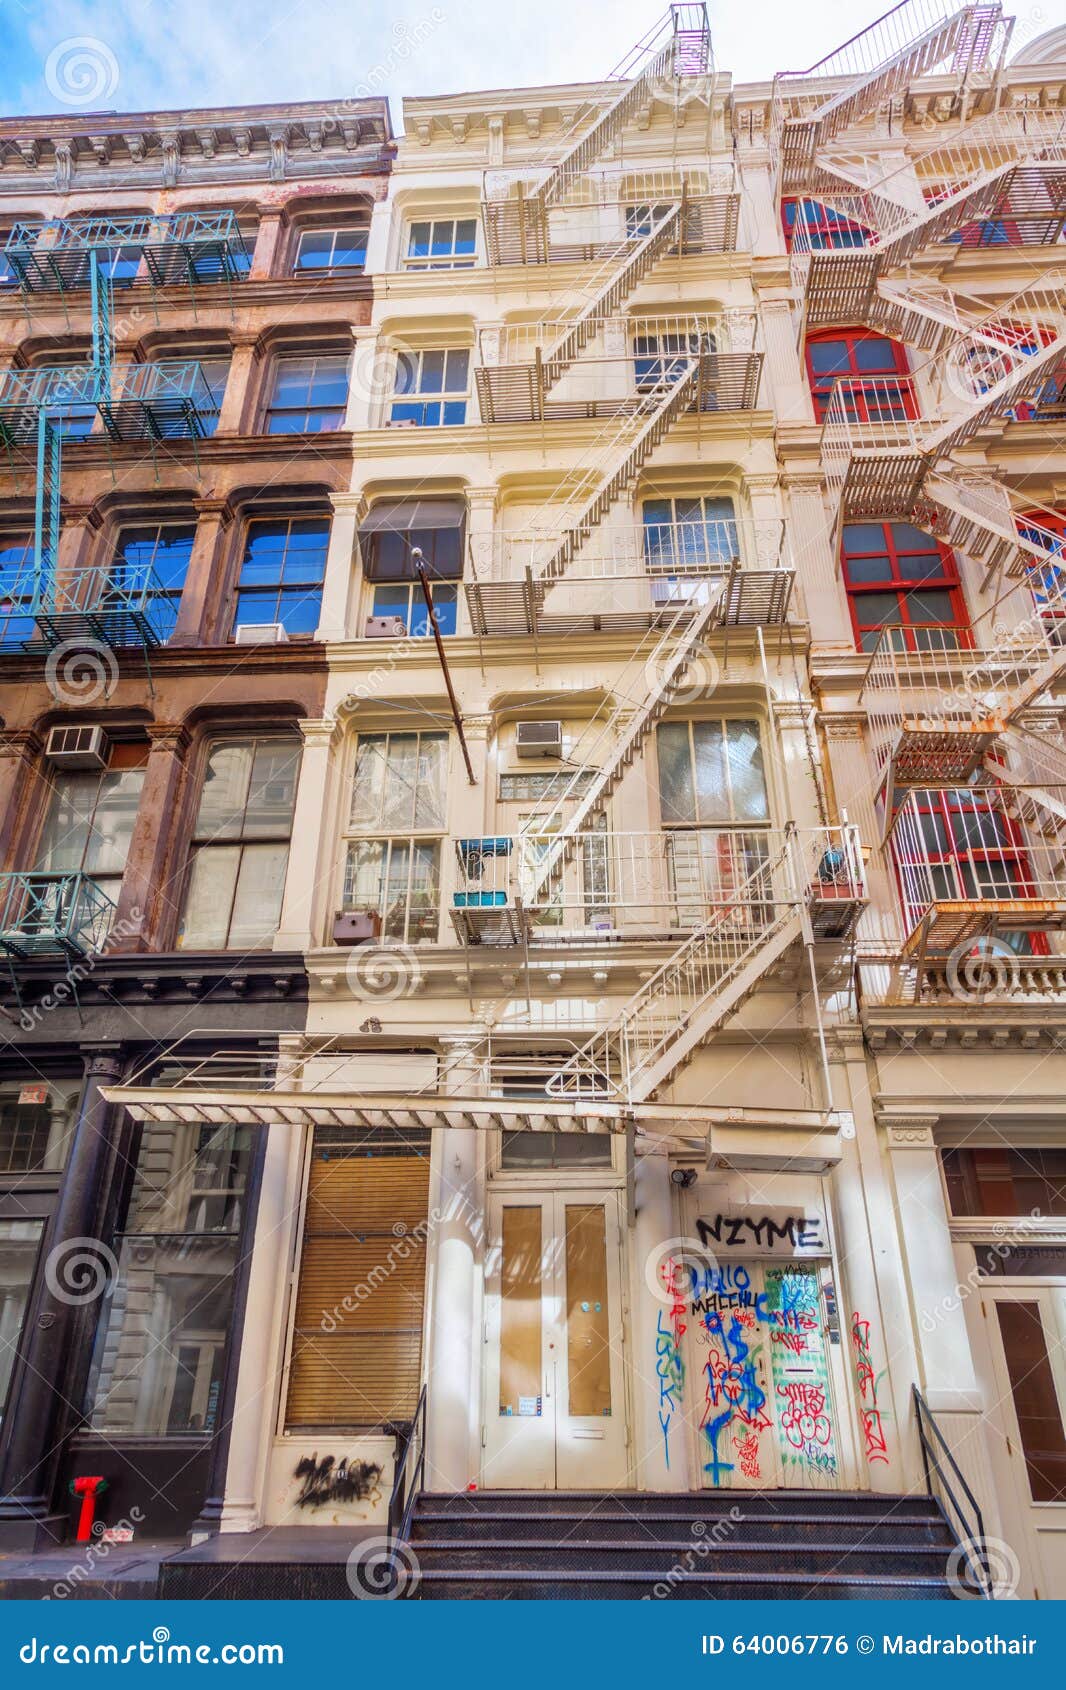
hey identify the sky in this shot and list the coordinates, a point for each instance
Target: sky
(135, 55)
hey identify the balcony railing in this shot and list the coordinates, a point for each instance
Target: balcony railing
(164, 401)
(189, 246)
(631, 574)
(938, 697)
(49, 914)
(603, 213)
(976, 860)
(616, 886)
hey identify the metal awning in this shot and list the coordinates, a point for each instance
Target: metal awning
(399, 516)
(232, 1106)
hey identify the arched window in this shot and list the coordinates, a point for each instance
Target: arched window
(897, 576)
(821, 228)
(859, 355)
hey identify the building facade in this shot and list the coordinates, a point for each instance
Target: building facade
(642, 1071)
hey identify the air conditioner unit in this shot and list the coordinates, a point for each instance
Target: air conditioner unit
(403, 422)
(538, 739)
(385, 628)
(356, 927)
(261, 633)
(83, 747)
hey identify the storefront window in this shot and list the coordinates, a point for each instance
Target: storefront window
(161, 1342)
(36, 1123)
(19, 1243)
(1000, 1182)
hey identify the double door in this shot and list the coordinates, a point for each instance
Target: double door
(554, 1416)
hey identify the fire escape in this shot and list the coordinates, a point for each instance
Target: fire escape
(118, 608)
(963, 724)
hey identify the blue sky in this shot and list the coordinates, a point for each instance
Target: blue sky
(144, 54)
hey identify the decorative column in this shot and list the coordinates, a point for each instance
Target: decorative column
(946, 1374)
(202, 609)
(457, 1216)
(233, 417)
(20, 751)
(301, 924)
(813, 553)
(262, 1335)
(788, 384)
(875, 1332)
(377, 244)
(854, 787)
(482, 543)
(664, 1399)
(340, 588)
(793, 721)
(64, 1305)
(148, 900)
(267, 239)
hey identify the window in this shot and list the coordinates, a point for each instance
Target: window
(986, 231)
(407, 602)
(974, 851)
(74, 421)
(684, 538)
(825, 230)
(19, 1245)
(214, 368)
(89, 821)
(162, 1336)
(1046, 529)
(642, 219)
(661, 359)
(35, 1130)
(855, 353)
(240, 845)
(282, 572)
(1036, 1400)
(154, 559)
(310, 394)
(331, 251)
(357, 1359)
(442, 243)
(440, 379)
(119, 263)
(897, 576)
(16, 590)
(711, 773)
(399, 805)
(999, 1182)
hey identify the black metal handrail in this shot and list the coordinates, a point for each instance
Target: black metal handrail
(408, 1478)
(970, 1533)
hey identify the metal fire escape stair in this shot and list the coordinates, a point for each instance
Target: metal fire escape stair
(878, 63)
(705, 981)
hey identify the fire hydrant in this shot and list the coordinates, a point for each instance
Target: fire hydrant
(88, 1489)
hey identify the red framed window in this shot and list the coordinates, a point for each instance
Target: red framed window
(827, 230)
(1047, 582)
(896, 575)
(976, 851)
(833, 353)
(986, 231)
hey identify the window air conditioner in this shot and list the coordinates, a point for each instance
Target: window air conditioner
(356, 927)
(261, 633)
(538, 739)
(83, 747)
(385, 628)
(403, 422)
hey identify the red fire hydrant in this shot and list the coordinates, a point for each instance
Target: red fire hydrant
(88, 1489)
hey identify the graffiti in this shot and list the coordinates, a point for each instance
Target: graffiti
(747, 1449)
(332, 1481)
(733, 1389)
(669, 1366)
(799, 1372)
(738, 1232)
(873, 1429)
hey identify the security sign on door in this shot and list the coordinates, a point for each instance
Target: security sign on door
(554, 1415)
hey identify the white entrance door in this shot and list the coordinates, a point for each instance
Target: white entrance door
(763, 1367)
(554, 1414)
(1026, 1325)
